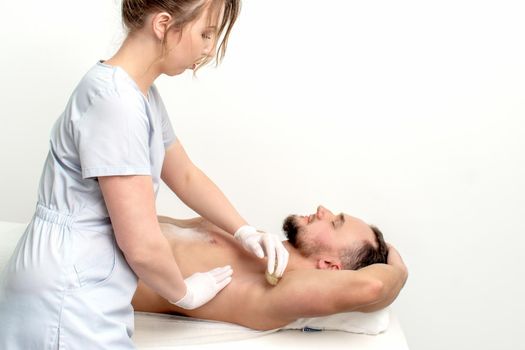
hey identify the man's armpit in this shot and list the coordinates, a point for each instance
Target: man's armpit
(314, 293)
(293, 297)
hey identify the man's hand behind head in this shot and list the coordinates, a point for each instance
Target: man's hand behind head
(395, 260)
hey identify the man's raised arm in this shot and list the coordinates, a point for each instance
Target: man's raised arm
(312, 293)
(393, 286)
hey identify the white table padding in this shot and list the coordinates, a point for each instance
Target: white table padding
(164, 332)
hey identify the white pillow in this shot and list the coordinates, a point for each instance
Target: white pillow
(152, 329)
(353, 322)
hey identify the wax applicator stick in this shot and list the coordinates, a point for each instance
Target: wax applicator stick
(271, 278)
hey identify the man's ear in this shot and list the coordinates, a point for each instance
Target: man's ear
(328, 263)
(160, 24)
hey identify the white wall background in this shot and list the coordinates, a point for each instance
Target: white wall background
(409, 114)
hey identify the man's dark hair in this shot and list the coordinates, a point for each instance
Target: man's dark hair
(366, 254)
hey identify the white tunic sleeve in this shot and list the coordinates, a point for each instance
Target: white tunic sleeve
(168, 135)
(112, 137)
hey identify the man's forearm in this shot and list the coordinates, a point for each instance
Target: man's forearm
(392, 279)
(392, 276)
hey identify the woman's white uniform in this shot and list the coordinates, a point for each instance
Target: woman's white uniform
(67, 284)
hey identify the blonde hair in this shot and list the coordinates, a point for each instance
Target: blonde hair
(134, 13)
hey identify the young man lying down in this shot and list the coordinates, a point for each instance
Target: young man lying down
(337, 263)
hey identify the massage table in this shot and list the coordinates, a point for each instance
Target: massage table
(164, 332)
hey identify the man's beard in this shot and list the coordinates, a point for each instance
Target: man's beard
(296, 237)
(291, 229)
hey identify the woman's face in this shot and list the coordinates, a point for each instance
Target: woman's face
(187, 48)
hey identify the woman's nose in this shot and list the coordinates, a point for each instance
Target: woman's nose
(209, 50)
(208, 53)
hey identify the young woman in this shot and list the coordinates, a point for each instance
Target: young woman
(71, 278)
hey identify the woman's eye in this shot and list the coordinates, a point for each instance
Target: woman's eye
(206, 36)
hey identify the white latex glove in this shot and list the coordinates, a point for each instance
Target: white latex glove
(260, 243)
(201, 287)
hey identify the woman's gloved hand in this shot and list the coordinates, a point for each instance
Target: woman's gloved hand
(201, 287)
(263, 243)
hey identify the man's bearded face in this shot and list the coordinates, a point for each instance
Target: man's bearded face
(298, 236)
(325, 233)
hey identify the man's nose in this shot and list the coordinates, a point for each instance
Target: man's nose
(321, 212)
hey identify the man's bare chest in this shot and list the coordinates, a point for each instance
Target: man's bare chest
(197, 250)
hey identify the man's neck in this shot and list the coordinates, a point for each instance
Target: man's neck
(297, 261)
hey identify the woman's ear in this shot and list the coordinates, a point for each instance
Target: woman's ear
(160, 24)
